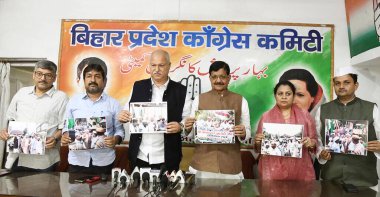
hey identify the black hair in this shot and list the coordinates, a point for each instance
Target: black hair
(215, 66)
(354, 77)
(303, 75)
(95, 67)
(46, 64)
(88, 61)
(284, 83)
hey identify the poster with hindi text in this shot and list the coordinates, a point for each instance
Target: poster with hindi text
(258, 53)
(214, 127)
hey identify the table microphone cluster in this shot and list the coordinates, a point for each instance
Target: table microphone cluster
(154, 182)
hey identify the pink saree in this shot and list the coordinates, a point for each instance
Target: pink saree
(287, 168)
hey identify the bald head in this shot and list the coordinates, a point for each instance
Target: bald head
(159, 66)
(160, 52)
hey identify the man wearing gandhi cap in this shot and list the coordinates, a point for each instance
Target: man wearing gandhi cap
(353, 169)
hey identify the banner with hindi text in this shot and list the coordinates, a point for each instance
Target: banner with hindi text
(258, 54)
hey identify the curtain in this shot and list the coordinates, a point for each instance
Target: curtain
(4, 100)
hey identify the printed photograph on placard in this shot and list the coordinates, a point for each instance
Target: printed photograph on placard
(87, 133)
(148, 117)
(214, 127)
(282, 140)
(346, 136)
(26, 138)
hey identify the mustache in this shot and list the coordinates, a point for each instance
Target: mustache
(218, 83)
(93, 83)
(43, 81)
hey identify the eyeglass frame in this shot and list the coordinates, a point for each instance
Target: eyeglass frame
(48, 76)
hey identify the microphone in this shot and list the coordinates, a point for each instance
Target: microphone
(124, 179)
(154, 183)
(115, 176)
(162, 171)
(179, 178)
(154, 173)
(124, 172)
(145, 179)
(171, 178)
(136, 177)
(164, 181)
(115, 179)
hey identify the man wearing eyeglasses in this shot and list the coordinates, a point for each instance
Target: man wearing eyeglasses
(219, 161)
(44, 105)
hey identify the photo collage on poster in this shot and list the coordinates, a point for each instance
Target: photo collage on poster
(26, 138)
(87, 133)
(282, 140)
(148, 117)
(346, 136)
(214, 127)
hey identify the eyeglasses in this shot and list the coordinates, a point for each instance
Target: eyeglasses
(221, 77)
(48, 76)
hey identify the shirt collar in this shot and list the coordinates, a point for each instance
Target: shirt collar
(162, 86)
(50, 92)
(102, 96)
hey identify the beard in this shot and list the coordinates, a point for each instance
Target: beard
(93, 89)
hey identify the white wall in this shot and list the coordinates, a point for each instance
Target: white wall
(32, 28)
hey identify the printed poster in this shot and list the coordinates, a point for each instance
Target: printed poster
(26, 138)
(87, 133)
(214, 127)
(148, 117)
(346, 136)
(282, 140)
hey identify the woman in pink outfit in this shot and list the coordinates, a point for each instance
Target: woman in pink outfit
(285, 112)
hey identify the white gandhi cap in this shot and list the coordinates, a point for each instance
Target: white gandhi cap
(344, 71)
